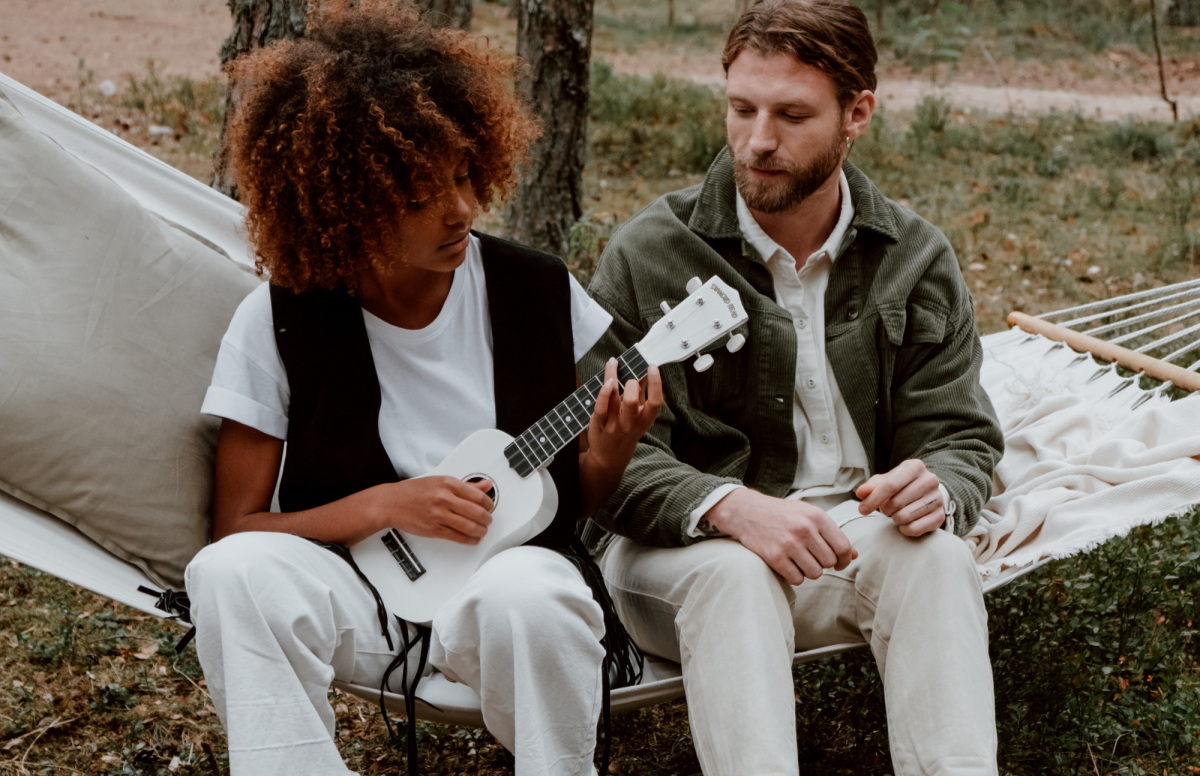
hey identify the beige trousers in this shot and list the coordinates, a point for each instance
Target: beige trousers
(719, 610)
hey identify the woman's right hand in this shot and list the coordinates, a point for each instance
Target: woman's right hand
(440, 507)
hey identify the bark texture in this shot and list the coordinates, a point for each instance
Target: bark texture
(554, 38)
(1183, 13)
(446, 13)
(256, 23)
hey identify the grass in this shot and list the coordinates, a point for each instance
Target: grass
(1096, 657)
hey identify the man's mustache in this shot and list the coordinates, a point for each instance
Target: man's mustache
(763, 164)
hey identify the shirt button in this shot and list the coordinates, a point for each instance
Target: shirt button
(825, 438)
(852, 315)
(812, 383)
(802, 323)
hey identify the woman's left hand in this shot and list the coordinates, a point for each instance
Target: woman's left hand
(620, 420)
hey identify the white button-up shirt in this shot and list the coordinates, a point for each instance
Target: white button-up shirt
(832, 462)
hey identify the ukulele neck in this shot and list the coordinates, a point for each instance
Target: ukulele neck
(534, 448)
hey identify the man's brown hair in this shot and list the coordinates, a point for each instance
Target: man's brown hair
(830, 35)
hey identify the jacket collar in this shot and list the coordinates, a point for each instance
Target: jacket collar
(715, 214)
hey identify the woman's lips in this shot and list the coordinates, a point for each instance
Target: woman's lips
(456, 245)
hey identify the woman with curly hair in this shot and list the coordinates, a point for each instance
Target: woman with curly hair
(388, 332)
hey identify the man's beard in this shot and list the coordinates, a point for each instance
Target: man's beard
(797, 183)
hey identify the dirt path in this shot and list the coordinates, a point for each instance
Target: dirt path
(43, 41)
(899, 93)
(1107, 107)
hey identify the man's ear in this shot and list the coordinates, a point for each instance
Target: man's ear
(858, 114)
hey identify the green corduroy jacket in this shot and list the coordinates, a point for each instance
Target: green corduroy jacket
(899, 335)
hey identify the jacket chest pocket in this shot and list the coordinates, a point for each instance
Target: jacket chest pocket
(917, 322)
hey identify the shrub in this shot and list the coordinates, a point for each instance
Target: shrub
(653, 125)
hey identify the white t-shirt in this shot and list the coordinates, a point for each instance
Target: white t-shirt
(436, 382)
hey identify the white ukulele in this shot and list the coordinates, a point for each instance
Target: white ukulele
(415, 575)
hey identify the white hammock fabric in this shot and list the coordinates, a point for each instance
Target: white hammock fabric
(1082, 466)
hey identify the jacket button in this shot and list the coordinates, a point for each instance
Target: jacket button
(850, 316)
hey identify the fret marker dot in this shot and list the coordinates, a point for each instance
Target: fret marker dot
(570, 419)
(588, 402)
(541, 439)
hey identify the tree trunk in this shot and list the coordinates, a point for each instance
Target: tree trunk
(1183, 13)
(554, 38)
(446, 13)
(256, 23)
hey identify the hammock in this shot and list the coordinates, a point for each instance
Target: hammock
(1164, 321)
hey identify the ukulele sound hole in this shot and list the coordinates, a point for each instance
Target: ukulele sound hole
(491, 492)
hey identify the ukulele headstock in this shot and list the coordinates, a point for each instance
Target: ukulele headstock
(712, 311)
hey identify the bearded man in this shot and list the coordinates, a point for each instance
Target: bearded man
(735, 537)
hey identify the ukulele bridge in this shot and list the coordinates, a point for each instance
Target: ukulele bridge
(403, 555)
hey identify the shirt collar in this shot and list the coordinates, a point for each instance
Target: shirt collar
(766, 247)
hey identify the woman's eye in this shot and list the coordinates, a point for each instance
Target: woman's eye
(416, 204)
(464, 178)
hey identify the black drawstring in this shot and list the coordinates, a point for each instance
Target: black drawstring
(623, 662)
(408, 685)
(179, 605)
(421, 634)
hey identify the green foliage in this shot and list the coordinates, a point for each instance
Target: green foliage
(653, 125)
(1136, 141)
(1181, 200)
(935, 35)
(1032, 203)
(113, 695)
(192, 110)
(1024, 28)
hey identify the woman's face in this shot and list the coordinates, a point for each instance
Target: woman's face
(433, 234)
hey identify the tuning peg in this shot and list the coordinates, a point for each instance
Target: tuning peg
(735, 342)
(703, 363)
(666, 308)
(692, 285)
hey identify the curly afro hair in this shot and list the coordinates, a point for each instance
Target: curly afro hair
(338, 133)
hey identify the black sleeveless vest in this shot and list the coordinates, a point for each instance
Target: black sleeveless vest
(333, 444)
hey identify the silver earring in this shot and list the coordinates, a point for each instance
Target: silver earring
(847, 140)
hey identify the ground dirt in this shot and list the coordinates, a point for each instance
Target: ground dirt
(43, 43)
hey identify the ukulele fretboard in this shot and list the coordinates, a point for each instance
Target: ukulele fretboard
(539, 443)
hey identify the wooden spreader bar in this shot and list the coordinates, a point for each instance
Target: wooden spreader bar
(1138, 362)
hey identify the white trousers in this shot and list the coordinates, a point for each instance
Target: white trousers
(720, 611)
(278, 618)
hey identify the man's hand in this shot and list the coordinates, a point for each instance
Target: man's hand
(908, 494)
(795, 539)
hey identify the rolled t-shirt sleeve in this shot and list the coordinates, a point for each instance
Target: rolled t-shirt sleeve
(589, 321)
(249, 382)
